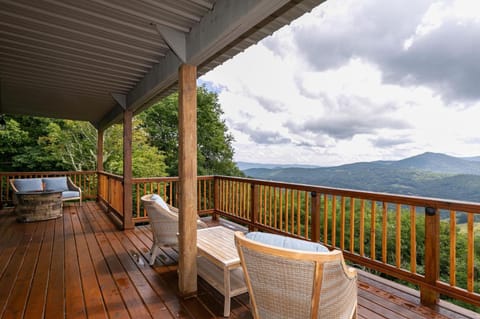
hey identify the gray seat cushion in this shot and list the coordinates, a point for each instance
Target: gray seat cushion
(55, 183)
(70, 194)
(28, 184)
(286, 242)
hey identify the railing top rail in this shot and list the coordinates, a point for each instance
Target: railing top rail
(167, 179)
(438, 203)
(119, 177)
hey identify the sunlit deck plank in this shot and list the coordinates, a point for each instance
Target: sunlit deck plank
(80, 265)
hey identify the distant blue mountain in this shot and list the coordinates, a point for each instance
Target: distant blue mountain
(247, 165)
(428, 174)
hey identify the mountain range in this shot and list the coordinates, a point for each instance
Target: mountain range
(428, 174)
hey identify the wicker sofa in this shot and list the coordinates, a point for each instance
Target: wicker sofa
(63, 183)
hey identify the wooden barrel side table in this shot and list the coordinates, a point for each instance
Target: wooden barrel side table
(38, 205)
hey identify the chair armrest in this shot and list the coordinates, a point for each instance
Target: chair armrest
(72, 186)
(12, 185)
(173, 209)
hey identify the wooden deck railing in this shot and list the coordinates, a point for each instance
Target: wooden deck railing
(410, 238)
(110, 192)
(167, 187)
(431, 243)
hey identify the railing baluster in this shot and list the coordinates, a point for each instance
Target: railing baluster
(352, 224)
(413, 239)
(362, 228)
(384, 232)
(398, 238)
(342, 223)
(470, 253)
(373, 222)
(334, 221)
(315, 213)
(453, 248)
(325, 218)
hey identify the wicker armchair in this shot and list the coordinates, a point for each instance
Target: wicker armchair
(296, 282)
(164, 222)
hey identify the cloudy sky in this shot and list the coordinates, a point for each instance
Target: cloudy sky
(358, 81)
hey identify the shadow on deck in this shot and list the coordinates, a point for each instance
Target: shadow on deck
(81, 266)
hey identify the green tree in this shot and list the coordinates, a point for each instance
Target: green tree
(147, 160)
(36, 153)
(215, 151)
(73, 143)
(12, 142)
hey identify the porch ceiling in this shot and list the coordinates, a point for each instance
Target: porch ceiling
(80, 60)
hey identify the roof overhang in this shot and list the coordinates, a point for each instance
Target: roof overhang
(90, 60)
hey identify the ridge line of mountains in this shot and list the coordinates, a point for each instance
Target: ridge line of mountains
(428, 175)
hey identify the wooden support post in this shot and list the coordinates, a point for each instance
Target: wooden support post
(99, 159)
(187, 171)
(127, 170)
(254, 207)
(428, 296)
(315, 213)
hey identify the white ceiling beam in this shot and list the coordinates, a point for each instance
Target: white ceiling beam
(176, 41)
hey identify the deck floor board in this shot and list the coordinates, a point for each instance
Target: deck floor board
(80, 266)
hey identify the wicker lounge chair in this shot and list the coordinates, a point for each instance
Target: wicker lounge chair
(291, 278)
(164, 222)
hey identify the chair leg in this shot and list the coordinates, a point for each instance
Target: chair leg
(154, 252)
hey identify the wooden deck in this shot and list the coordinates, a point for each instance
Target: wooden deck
(81, 266)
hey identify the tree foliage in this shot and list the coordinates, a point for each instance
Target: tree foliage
(215, 151)
(148, 161)
(12, 143)
(27, 149)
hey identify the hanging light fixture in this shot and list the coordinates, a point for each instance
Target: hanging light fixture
(3, 123)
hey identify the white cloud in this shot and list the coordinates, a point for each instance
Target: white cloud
(336, 86)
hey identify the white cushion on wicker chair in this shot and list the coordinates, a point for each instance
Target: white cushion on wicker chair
(286, 242)
(160, 201)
